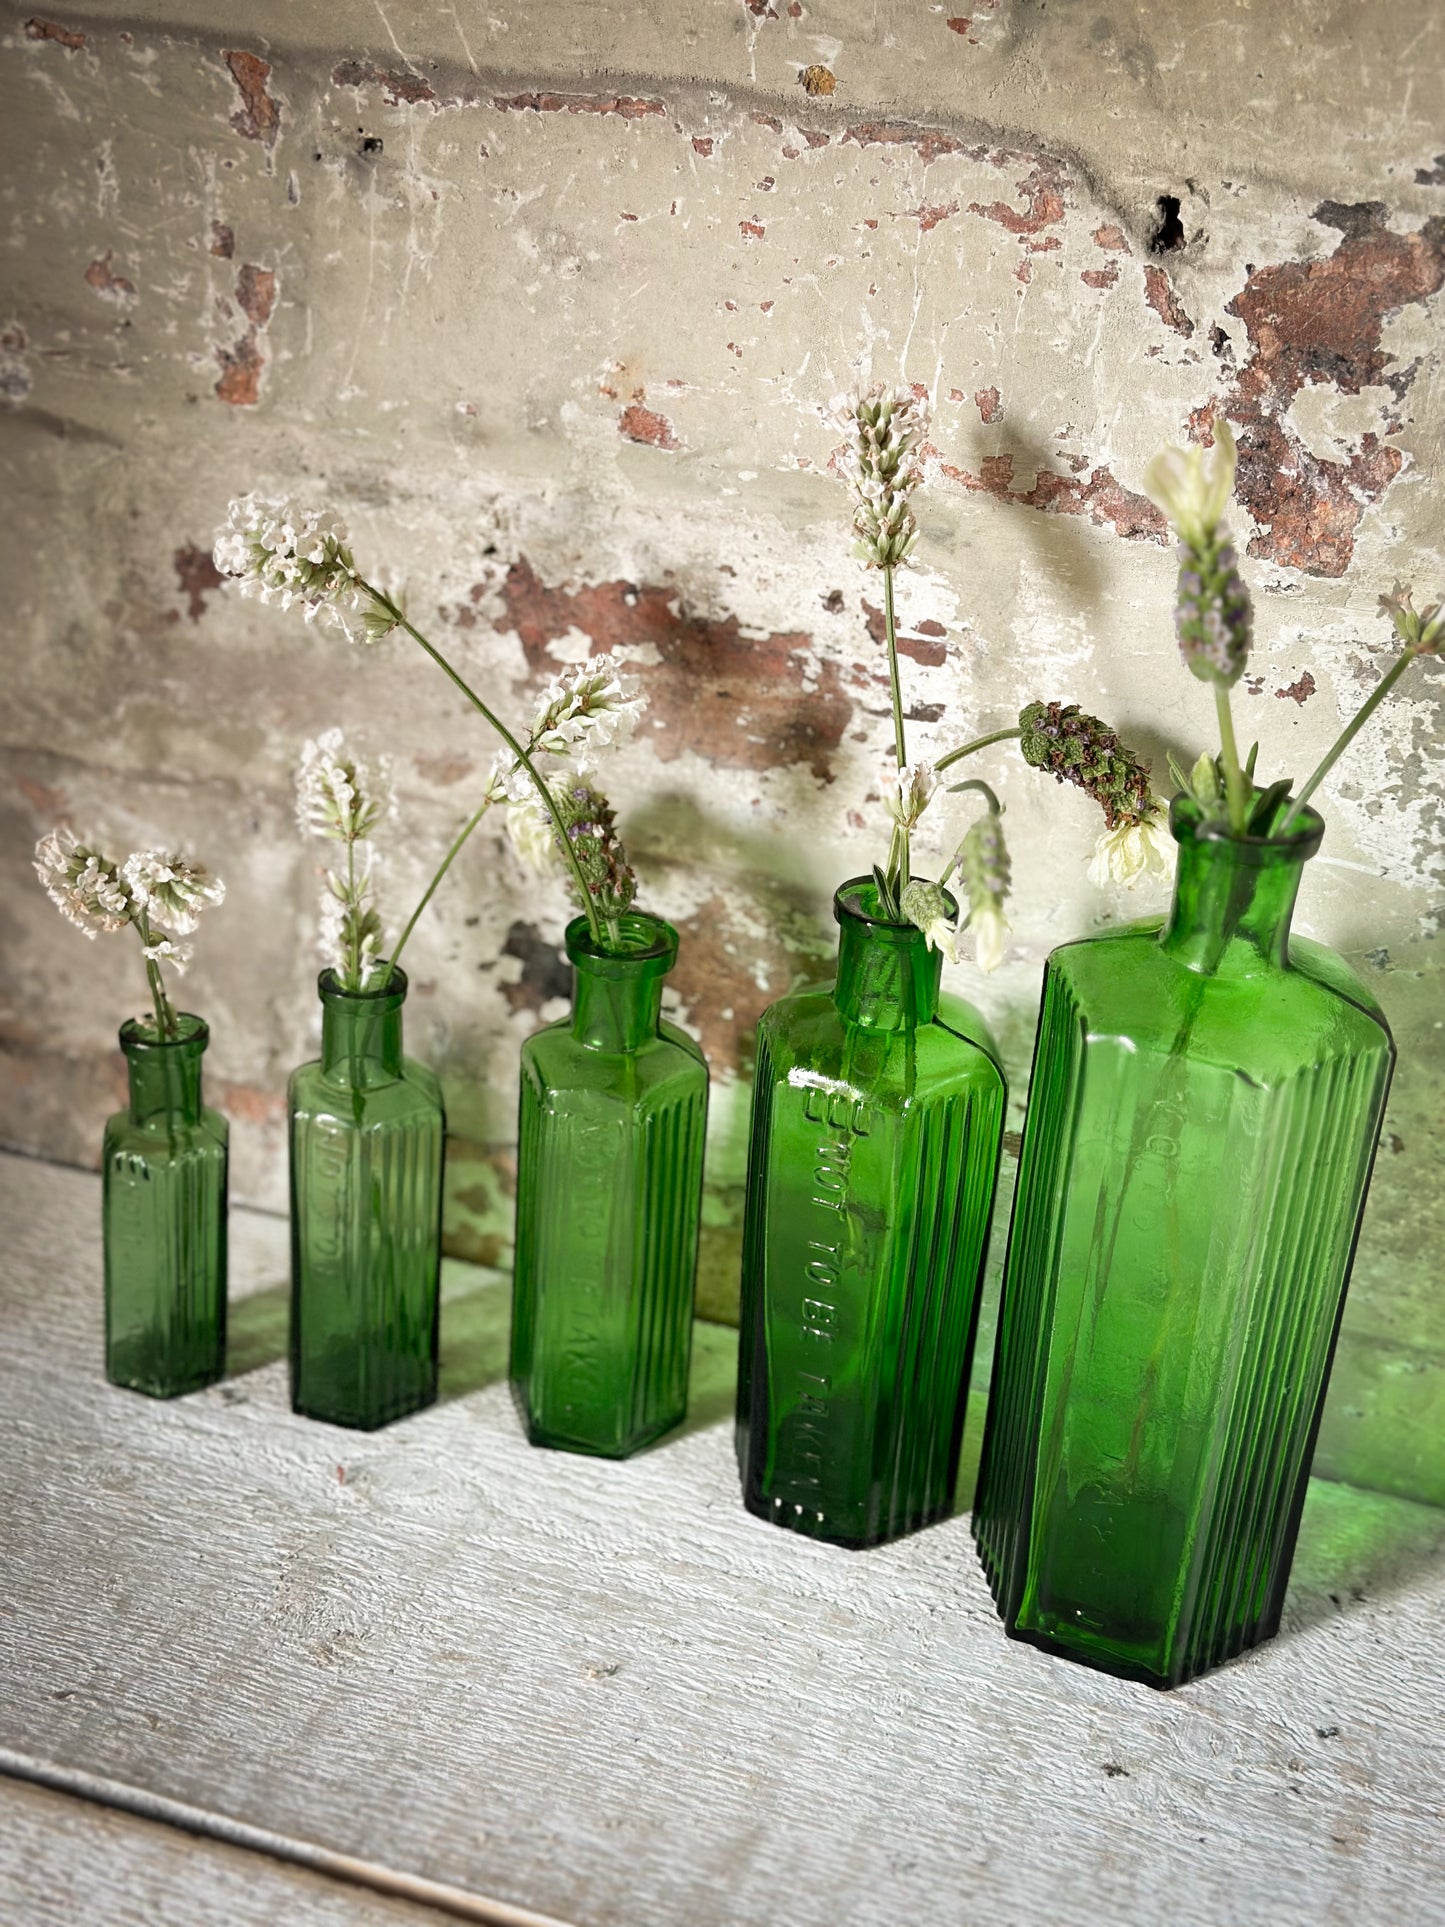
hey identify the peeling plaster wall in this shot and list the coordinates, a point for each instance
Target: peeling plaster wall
(547, 301)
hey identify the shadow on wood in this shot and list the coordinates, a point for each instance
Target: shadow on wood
(256, 1328)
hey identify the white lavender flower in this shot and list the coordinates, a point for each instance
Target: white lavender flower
(908, 791)
(989, 933)
(339, 794)
(595, 704)
(164, 949)
(1213, 618)
(86, 887)
(925, 906)
(886, 427)
(1193, 485)
(531, 831)
(986, 872)
(169, 889)
(286, 554)
(1421, 630)
(1131, 852)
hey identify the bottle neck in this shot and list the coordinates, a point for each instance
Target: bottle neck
(888, 976)
(361, 1030)
(165, 1078)
(1234, 896)
(617, 996)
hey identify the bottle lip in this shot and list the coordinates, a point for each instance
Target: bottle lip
(651, 947)
(1187, 825)
(192, 1031)
(850, 901)
(387, 996)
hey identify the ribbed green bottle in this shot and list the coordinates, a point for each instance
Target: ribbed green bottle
(164, 1220)
(878, 1113)
(1202, 1122)
(367, 1130)
(609, 1195)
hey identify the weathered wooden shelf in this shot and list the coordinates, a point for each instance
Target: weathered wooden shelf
(606, 1694)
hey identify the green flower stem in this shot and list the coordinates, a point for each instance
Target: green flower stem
(165, 1016)
(383, 601)
(1235, 788)
(979, 742)
(431, 888)
(351, 978)
(899, 855)
(1348, 734)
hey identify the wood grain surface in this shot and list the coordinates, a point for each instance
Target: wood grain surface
(606, 1693)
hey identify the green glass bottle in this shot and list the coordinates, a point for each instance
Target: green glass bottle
(878, 1113)
(367, 1129)
(609, 1194)
(1205, 1104)
(164, 1220)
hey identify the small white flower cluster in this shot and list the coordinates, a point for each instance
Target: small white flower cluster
(341, 798)
(595, 706)
(908, 791)
(286, 554)
(148, 888)
(338, 795)
(1193, 485)
(1132, 852)
(887, 427)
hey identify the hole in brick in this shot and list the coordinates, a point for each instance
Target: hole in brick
(371, 144)
(1169, 230)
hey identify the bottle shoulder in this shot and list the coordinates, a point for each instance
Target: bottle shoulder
(208, 1136)
(804, 1039)
(1122, 984)
(310, 1092)
(552, 1059)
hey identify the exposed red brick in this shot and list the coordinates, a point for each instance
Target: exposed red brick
(197, 574)
(1104, 277)
(929, 143)
(751, 230)
(259, 117)
(816, 138)
(627, 106)
(639, 424)
(14, 339)
(1112, 239)
(929, 217)
(719, 961)
(112, 286)
(923, 646)
(702, 144)
(240, 382)
(1159, 292)
(1103, 499)
(1301, 691)
(736, 700)
(987, 402)
(761, 9)
(961, 25)
(256, 293)
(410, 88)
(444, 769)
(1322, 321)
(67, 37)
(223, 241)
(1043, 191)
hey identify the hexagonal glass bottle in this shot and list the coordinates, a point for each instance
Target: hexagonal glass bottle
(163, 1169)
(613, 1114)
(878, 1114)
(1202, 1122)
(367, 1131)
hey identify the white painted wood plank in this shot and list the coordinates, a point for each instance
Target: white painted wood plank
(606, 1693)
(66, 1862)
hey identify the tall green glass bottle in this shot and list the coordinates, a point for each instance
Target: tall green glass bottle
(609, 1194)
(367, 1129)
(1205, 1104)
(164, 1220)
(878, 1113)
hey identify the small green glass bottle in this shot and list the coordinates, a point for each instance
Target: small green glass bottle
(367, 1130)
(612, 1119)
(878, 1114)
(1202, 1121)
(164, 1220)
